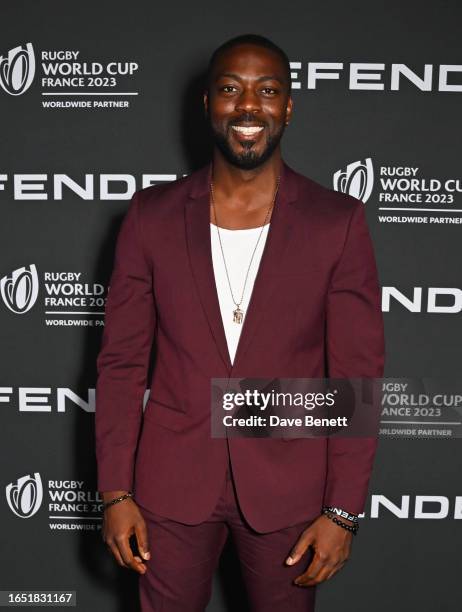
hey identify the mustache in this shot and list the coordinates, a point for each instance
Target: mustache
(247, 118)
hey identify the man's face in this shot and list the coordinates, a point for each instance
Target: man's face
(248, 104)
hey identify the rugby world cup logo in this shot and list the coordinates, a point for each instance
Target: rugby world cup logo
(19, 290)
(25, 496)
(356, 180)
(17, 69)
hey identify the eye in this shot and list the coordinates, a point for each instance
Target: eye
(226, 88)
(270, 90)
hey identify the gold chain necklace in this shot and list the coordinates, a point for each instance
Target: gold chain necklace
(238, 314)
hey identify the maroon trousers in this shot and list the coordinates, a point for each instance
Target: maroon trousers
(184, 558)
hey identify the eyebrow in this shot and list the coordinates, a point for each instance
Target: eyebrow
(262, 78)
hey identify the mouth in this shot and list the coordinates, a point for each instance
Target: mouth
(247, 133)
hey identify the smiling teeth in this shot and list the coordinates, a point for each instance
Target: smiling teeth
(247, 131)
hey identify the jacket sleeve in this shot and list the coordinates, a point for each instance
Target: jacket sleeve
(123, 360)
(355, 349)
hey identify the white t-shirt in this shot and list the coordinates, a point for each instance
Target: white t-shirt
(238, 246)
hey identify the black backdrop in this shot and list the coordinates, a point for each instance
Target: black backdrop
(402, 558)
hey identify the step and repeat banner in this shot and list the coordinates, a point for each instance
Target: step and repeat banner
(100, 99)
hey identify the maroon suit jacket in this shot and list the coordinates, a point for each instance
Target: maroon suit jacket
(314, 312)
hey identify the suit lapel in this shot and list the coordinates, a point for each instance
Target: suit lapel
(197, 219)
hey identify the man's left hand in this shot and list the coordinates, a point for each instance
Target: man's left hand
(331, 544)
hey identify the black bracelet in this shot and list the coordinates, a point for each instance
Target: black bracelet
(352, 528)
(117, 500)
(342, 513)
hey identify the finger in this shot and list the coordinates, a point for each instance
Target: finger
(115, 551)
(336, 569)
(141, 534)
(321, 576)
(127, 555)
(300, 548)
(317, 564)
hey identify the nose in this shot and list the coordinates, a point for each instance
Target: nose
(248, 102)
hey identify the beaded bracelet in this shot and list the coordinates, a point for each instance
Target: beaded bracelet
(352, 528)
(117, 500)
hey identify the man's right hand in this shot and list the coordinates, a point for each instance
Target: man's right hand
(121, 521)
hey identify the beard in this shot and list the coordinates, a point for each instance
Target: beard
(247, 159)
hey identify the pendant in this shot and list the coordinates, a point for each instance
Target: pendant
(238, 315)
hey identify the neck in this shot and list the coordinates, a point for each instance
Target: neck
(245, 185)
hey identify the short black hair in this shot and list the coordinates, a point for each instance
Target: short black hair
(249, 39)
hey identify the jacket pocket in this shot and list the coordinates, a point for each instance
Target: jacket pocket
(166, 416)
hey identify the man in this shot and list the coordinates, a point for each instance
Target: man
(189, 257)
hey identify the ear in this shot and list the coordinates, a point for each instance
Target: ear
(206, 102)
(289, 110)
